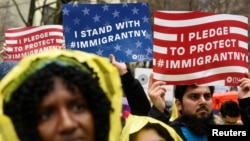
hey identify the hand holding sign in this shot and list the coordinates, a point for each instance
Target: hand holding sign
(156, 92)
(120, 66)
(244, 84)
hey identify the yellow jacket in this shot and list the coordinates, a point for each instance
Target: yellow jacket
(7, 131)
(108, 74)
(135, 123)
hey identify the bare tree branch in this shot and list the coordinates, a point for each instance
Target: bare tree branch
(19, 12)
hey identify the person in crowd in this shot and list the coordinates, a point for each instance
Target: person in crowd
(230, 113)
(194, 104)
(137, 98)
(131, 86)
(145, 128)
(133, 90)
(244, 99)
(63, 95)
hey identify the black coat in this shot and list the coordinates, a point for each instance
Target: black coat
(137, 99)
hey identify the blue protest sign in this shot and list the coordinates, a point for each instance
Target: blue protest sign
(121, 29)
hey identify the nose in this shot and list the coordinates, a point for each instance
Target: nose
(66, 122)
(202, 100)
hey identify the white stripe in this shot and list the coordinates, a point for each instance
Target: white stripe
(160, 49)
(9, 49)
(154, 61)
(177, 12)
(35, 29)
(215, 83)
(243, 44)
(165, 36)
(198, 21)
(196, 75)
(59, 41)
(237, 30)
(55, 33)
(11, 41)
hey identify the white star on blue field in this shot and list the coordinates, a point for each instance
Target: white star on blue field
(121, 29)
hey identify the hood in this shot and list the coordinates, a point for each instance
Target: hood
(109, 79)
(7, 131)
(135, 123)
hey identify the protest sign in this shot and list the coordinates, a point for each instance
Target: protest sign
(120, 29)
(24, 41)
(200, 48)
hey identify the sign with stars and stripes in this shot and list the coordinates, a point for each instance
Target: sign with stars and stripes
(25, 41)
(121, 29)
(200, 48)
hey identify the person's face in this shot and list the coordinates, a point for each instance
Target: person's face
(65, 116)
(196, 102)
(230, 120)
(148, 135)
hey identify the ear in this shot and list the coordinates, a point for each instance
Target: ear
(178, 104)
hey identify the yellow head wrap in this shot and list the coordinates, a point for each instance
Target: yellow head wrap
(136, 123)
(109, 79)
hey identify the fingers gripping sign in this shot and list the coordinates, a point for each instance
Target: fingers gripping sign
(120, 66)
(156, 92)
(244, 84)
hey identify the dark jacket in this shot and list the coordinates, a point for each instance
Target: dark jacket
(136, 96)
(140, 104)
(164, 117)
(245, 110)
(176, 124)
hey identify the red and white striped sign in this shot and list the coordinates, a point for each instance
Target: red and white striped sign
(200, 48)
(24, 41)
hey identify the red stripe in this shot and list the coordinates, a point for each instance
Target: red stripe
(182, 16)
(31, 39)
(207, 79)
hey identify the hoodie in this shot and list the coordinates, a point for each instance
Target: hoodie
(136, 123)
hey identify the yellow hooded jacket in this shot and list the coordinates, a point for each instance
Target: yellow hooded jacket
(136, 123)
(7, 131)
(109, 80)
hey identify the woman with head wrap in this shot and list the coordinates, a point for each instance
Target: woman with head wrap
(63, 95)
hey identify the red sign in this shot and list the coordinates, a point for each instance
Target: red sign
(200, 48)
(25, 41)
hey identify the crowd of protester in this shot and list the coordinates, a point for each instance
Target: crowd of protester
(74, 95)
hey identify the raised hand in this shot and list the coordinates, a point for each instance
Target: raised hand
(3, 52)
(244, 84)
(156, 92)
(120, 66)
